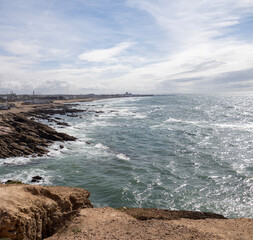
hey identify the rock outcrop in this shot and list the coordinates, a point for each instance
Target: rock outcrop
(36, 212)
(108, 223)
(164, 214)
(20, 136)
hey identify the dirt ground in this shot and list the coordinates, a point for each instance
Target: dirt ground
(108, 223)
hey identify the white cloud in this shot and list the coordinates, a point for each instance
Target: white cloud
(190, 22)
(197, 48)
(31, 53)
(105, 55)
(21, 48)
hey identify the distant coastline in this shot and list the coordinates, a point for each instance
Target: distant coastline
(22, 135)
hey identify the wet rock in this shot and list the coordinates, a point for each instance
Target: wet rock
(72, 115)
(62, 124)
(37, 179)
(61, 146)
(27, 137)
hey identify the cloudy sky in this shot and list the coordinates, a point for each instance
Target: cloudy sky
(114, 46)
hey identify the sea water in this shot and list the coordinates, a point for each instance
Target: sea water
(190, 152)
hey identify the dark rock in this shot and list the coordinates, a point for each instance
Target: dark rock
(37, 179)
(61, 146)
(62, 124)
(26, 137)
(13, 182)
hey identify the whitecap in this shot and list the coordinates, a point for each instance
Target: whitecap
(242, 126)
(101, 146)
(183, 121)
(140, 116)
(15, 161)
(123, 156)
(27, 175)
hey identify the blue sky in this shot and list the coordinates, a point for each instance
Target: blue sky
(114, 46)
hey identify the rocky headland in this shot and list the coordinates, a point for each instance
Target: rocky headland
(21, 136)
(22, 133)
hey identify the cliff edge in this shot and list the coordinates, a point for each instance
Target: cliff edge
(36, 212)
(64, 213)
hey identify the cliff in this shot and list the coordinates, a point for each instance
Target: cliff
(37, 212)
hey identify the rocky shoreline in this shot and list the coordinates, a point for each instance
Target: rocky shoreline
(21, 133)
(21, 136)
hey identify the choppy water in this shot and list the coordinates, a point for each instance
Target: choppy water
(190, 152)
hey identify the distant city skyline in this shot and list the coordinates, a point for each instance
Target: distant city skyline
(137, 46)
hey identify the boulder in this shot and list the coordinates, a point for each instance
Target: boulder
(37, 179)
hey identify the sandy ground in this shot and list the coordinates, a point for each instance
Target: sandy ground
(108, 223)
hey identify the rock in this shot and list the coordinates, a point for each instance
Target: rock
(108, 223)
(37, 179)
(61, 146)
(36, 212)
(26, 137)
(72, 115)
(62, 124)
(164, 214)
(13, 182)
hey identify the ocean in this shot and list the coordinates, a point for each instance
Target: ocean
(180, 151)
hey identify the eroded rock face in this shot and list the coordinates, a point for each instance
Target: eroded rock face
(26, 137)
(37, 212)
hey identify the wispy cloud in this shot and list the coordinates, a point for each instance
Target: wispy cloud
(105, 55)
(140, 46)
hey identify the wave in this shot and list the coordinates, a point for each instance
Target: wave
(101, 146)
(26, 176)
(239, 126)
(15, 161)
(123, 156)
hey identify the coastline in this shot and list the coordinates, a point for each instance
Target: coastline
(20, 133)
(22, 108)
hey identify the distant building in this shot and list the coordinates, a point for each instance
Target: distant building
(37, 101)
(127, 94)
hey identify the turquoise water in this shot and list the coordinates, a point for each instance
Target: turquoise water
(190, 152)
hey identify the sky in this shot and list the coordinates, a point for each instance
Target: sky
(118, 46)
